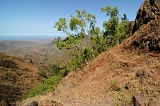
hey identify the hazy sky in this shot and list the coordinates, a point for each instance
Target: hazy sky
(37, 17)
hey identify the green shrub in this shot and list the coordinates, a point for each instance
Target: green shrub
(35, 91)
(63, 72)
(42, 73)
(47, 86)
(52, 82)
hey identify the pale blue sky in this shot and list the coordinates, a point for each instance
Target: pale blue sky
(37, 17)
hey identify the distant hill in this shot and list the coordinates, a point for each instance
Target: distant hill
(17, 76)
(43, 53)
(125, 75)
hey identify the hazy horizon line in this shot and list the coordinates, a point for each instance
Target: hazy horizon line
(31, 35)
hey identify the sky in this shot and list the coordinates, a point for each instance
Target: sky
(37, 17)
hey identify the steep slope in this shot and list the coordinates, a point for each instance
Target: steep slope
(112, 78)
(16, 78)
(125, 75)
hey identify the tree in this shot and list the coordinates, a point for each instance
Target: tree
(124, 18)
(122, 29)
(79, 29)
(114, 30)
(85, 40)
(111, 25)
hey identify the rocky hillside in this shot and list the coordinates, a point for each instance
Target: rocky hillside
(16, 77)
(125, 75)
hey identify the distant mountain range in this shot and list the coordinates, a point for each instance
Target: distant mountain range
(27, 37)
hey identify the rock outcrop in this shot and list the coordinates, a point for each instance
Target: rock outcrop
(149, 11)
(146, 29)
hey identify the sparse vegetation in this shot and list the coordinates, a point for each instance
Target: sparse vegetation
(115, 86)
(123, 99)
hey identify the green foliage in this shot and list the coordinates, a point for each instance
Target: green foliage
(98, 44)
(85, 40)
(81, 24)
(63, 72)
(115, 31)
(47, 86)
(56, 74)
(79, 30)
(55, 69)
(51, 82)
(111, 24)
(86, 54)
(122, 30)
(62, 25)
(42, 73)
